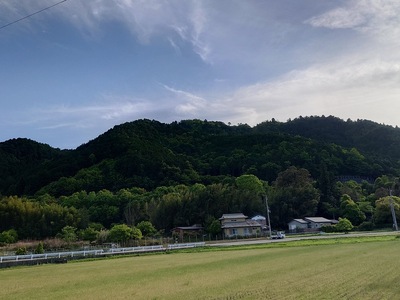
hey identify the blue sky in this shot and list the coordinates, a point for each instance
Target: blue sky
(74, 71)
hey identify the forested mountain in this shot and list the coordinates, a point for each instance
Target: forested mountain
(148, 154)
(192, 172)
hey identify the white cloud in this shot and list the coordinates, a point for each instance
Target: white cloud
(357, 90)
(379, 18)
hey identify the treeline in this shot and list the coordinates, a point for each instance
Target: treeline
(192, 172)
(294, 194)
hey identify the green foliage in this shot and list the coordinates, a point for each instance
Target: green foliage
(68, 234)
(178, 174)
(351, 211)
(21, 251)
(213, 226)
(88, 234)
(293, 195)
(39, 248)
(366, 226)
(33, 219)
(250, 183)
(146, 228)
(344, 225)
(121, 233)
(149, 154)
(9, 236)
(383, 213)
(136, 233)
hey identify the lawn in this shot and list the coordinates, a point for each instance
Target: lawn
(366, 270)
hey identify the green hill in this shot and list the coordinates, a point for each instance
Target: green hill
(149, 154)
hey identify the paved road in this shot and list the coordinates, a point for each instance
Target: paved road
(294, 238)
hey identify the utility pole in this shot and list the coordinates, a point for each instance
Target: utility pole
(269, 222)
(393, 212)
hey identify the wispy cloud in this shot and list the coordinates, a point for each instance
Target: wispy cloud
(375, 17)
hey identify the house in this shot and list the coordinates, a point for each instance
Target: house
(318, 222)
(297, 224)
(260, 219)
(309, 224)
(234, 225)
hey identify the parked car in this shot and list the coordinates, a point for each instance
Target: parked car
(278, 235)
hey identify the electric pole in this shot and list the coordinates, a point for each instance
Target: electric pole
(393, 212)
(269, 222)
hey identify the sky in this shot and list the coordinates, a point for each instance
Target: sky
(70, 73)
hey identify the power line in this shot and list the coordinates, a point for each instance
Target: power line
(32, 14)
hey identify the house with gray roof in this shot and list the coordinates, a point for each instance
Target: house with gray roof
(237, 224)
(309, 224)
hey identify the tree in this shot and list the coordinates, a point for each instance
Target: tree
(293, 195)
(351, 211)
(122, 233)
(146, 228)
(382, 214)
(68, 234)
(250, 183)
(89, 234)
(344, 225)
(213, 226)
(8, 236)
(39, 248)
(136, 233)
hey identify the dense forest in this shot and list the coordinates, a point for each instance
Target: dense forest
(193, 171)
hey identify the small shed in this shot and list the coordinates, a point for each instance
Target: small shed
(193, 230)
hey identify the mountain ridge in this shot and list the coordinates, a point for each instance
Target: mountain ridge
(147, 153)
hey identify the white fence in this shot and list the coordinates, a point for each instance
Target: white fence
(50, 255)
(101, 252)
(187, 245)
(135, 249)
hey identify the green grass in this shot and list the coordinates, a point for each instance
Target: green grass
(350, 268)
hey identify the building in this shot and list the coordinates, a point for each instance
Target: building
(297, 225)
(260, 219)
(234, 225)
(309, 224)
(187, 231)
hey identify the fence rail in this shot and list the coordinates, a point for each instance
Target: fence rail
(50, 255)
(187, 245)
(100, 252)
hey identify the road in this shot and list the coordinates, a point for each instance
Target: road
(294, 238)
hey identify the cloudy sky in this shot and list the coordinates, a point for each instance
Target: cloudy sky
(71, 72)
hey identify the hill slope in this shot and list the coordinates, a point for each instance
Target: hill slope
(148, 154)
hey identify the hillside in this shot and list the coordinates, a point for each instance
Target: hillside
(149, 154)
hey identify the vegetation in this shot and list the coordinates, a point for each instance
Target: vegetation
(335, 271)
(154, 177)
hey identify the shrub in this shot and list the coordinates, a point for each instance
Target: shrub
(9, 236)
(21, 251)
(366, 226)
(344, 225)
(39, 248)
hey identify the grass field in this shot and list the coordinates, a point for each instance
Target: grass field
(359, 270)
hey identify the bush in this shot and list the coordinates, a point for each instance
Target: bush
(344, 225)
(39, 248)
(328, 229)
(9, 236)
(366, 226)
(21, 251)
